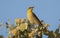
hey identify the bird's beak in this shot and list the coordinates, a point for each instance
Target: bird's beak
(32, 7)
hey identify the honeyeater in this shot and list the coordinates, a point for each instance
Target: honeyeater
(32, 18)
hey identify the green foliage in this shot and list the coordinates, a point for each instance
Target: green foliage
(1, 36)
(23, 29)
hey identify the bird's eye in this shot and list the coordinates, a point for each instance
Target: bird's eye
(29, 7)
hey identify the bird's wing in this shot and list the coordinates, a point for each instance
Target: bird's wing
(37, 18)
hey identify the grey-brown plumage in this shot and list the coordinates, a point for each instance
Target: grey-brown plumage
(33, 19)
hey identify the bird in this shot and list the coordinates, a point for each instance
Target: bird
(32, 18)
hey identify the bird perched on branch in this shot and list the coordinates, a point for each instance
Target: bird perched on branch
(32, 18)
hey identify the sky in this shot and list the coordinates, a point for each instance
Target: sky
(47, 10)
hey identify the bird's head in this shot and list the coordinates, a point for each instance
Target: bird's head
(30, 9)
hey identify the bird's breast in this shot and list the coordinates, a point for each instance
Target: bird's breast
(30, 17)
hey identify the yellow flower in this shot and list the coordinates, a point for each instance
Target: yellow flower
(17, 21)
(23, 26)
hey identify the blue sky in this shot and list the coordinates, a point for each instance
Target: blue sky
(47, 10)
